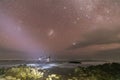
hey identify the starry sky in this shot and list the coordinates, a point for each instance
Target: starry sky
(63, 29)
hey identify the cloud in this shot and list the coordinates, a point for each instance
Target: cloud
(113, 54)
(7, 50)
(7, 53)
(98, 37)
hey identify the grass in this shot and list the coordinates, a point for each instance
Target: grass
(109, 71)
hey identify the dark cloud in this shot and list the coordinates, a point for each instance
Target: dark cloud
(7, 50)
(99, 37)
(113, 54)
(7, 53)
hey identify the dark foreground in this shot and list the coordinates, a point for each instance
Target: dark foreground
(107, 71)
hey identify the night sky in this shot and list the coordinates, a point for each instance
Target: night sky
(63, 29)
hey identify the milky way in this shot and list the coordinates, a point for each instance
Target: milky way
(62, 29)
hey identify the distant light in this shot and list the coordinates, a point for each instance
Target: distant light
(40, 59)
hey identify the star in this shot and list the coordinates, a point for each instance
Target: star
(19, 29)
(64, 7)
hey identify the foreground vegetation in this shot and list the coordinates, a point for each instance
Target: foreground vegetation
(99, 72)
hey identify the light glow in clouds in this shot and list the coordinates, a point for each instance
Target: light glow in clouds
(18, 37)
